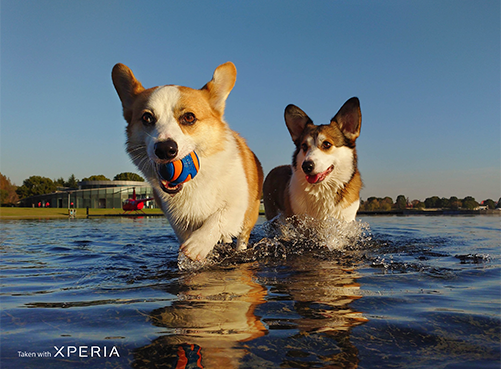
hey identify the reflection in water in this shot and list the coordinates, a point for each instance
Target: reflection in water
(217, 310)
(329, 285)
(430, 284)
(320, 292)
(213, 313)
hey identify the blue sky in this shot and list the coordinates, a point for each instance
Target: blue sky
(427, 74)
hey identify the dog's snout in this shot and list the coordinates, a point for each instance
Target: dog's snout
(308, 166)
(166, 150)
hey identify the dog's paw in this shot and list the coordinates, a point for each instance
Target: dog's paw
(241, 245)
(196, 248)
(187, 265)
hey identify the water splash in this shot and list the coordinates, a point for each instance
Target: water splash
(331, 233)
(474, 258)
(281, 238)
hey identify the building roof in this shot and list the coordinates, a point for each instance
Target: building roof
(104, 184)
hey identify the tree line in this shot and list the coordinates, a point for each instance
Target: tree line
(37, 185)
(10, 194)
(434, 202)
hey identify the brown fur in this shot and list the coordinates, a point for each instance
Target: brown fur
(211, 135)
(342, 131)
(197, 102)
(276, 192)
(254, 173)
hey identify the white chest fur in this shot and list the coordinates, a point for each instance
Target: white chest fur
(320, 200)
(219, 190)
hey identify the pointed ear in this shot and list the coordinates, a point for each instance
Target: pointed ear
(296, 120)
(349, 119)
(127, 86)
(220, 86)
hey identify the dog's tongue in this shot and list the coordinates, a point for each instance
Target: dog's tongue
(315, 178)
(319, 177)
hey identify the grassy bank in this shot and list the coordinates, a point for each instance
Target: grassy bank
(53, 213)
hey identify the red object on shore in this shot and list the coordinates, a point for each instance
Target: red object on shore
(133, 204)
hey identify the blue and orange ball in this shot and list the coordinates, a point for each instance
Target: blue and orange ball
(181, 171)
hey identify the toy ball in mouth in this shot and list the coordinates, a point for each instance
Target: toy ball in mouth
(180, 171)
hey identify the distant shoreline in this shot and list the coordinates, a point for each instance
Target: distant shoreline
(13, 213)
(430, 212)
(8, 213)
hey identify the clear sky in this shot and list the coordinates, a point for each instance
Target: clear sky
(427, 73)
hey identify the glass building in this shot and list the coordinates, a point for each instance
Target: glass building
(94, 194)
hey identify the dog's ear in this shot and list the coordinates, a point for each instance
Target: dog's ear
(296, 120)
(349, 119)
(220, 86)
(127, 86)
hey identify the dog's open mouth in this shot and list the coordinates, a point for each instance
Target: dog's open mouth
(172, 174)
(166, 186)
(319, 177)
(171, 190)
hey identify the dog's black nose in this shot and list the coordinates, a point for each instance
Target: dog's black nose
(166, 150)
(308, 166)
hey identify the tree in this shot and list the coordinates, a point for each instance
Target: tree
(36, 185)
(60, 182)
(377, 203)
(128, 176)
(416, 204)
(72, 182)
(3, 197)
(386, 203)
(470, 203)
(401, 202)
(8, 195)
(99, 177)
(432, 202)
(370, 205)
(489, 203)
(455, 203)
(373, 204)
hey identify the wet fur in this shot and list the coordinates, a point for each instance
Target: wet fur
(222, 201)
(286, 189)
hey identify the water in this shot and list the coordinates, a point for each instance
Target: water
(395, 292)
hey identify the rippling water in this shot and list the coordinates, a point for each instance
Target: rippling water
(397, 292)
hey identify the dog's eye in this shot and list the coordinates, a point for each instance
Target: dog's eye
(188, 119)
(148, 119)
(326, 145)
(304, 147)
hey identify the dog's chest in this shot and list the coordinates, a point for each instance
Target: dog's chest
(318, 201)
(220, 184)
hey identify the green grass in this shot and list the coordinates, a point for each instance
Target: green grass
(48, 213)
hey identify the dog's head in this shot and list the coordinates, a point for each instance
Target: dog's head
(325, 152)
(167, 123)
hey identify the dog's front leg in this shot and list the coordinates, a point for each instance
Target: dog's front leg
(202, 241)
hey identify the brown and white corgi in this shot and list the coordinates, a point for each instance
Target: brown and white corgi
(168, 123)
(323, 180)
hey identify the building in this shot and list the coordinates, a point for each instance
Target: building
(93, 194)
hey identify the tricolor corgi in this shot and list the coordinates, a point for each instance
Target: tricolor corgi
(220, 197)
(323, 180)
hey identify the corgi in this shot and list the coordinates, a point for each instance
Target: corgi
(168, 123)
(323, 180)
